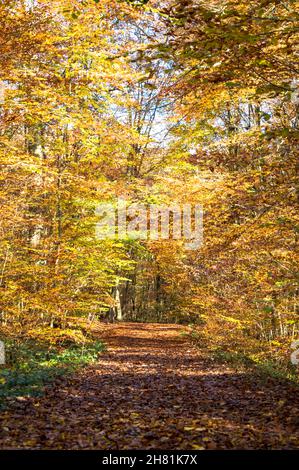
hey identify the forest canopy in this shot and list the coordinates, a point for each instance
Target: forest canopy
(170, 103)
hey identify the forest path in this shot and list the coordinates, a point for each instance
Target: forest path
(152, 389)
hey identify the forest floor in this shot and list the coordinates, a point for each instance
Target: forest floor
(152, 389)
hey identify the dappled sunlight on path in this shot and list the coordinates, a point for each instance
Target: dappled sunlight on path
(152, 389)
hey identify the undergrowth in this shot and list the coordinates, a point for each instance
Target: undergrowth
(31, 365)
(261, 360)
